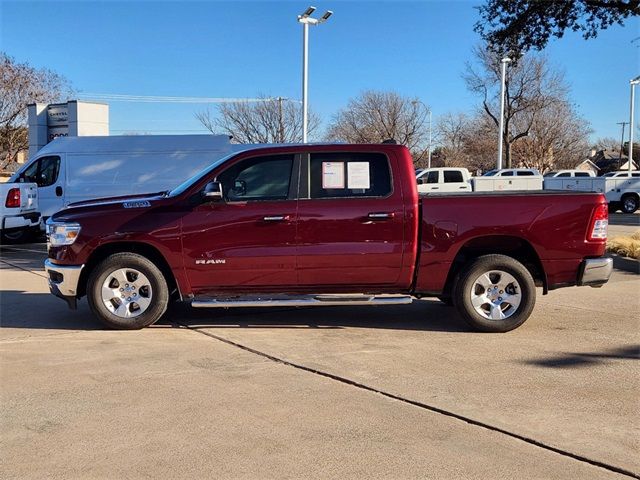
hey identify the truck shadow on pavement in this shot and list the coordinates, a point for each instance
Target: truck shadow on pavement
(425, 315)
(20, 309)
(578, 360)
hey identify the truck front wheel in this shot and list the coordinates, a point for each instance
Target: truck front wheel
(127, 291)
(495, 293)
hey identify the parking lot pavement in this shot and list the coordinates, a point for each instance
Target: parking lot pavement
(623, 224)
(404, 392)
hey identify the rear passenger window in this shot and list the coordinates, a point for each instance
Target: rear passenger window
(452, 176)
(526, 173)
(432, 177)
(345, 175)
(582, 174)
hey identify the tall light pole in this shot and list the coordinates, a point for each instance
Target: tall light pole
(305, 19)
(633, 84)
(415, 102)
(504, 62)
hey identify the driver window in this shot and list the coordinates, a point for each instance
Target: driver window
(260, 178)
(43, 172)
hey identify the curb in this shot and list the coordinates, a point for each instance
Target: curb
(625, 263)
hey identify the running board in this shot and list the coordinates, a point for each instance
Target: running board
(301, 301)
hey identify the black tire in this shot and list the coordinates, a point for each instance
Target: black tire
(158, 293)
(448, 301)
(14, 237)
(630, 203)
(466, 286)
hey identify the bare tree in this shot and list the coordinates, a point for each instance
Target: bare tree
(21, 84)
(531, 87)
(558, 138)
(453, 132)
(377, 116)
(270, 120)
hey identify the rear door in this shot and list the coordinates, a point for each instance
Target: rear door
(350, 222)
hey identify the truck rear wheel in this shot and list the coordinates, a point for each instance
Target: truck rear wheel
(127, 291)
(629, 203)
(495, 293)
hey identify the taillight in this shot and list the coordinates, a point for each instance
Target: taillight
(13, 198)
(599, 223)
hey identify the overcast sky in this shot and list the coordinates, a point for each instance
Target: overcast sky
(242, 49)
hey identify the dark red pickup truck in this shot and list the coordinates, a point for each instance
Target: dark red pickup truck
(320, 225)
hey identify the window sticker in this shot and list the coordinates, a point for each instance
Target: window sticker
(332, 174)
(358, 175)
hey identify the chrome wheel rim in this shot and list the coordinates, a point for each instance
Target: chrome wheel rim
(126, 293)
(496, 295)
(630, 203)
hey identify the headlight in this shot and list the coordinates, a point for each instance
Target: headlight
(59, 234)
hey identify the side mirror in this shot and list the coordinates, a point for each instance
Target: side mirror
(213, 191)
(421, 181)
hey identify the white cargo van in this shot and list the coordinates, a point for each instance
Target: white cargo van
(72, 169)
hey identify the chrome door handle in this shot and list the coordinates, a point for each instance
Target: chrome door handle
(276, 218)
(380, 215)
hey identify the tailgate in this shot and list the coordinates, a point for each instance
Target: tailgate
(28, 197)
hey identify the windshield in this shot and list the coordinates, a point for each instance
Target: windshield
(190, 181)
(490, 173)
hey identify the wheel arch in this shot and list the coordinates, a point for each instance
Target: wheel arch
(512, 246)
(143, 249)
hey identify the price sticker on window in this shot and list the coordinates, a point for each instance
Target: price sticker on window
(332, 174)
(358, 175)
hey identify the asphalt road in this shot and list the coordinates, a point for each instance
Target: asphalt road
(341, 392)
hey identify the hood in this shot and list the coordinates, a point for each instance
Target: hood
(128, 201)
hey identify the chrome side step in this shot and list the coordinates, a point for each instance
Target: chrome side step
(300, 301)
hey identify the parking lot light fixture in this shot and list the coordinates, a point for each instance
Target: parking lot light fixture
(306, 19)
(632, 84)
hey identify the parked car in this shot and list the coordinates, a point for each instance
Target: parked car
(445, 179)
(570, 173)
(622, 188)
(72, 169)
(508, 179)
(19, 215)
(315, 225)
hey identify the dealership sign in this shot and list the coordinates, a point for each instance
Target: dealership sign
(57, 121)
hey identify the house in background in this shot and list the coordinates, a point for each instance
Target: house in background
(588, 166)
(610, 161)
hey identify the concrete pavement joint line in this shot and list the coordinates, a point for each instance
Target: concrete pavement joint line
(477, 423)
(21, 268)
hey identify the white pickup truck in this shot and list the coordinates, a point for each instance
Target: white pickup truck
(19, 215)
(622, 188)
(443, 180)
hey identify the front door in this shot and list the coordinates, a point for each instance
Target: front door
(350, 222)
(47, 173)
(247, 239)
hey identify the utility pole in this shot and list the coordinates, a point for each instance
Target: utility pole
(621, 143)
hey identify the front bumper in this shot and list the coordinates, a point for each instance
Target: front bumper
(24, 220)
(595, 272)
(63, 281)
